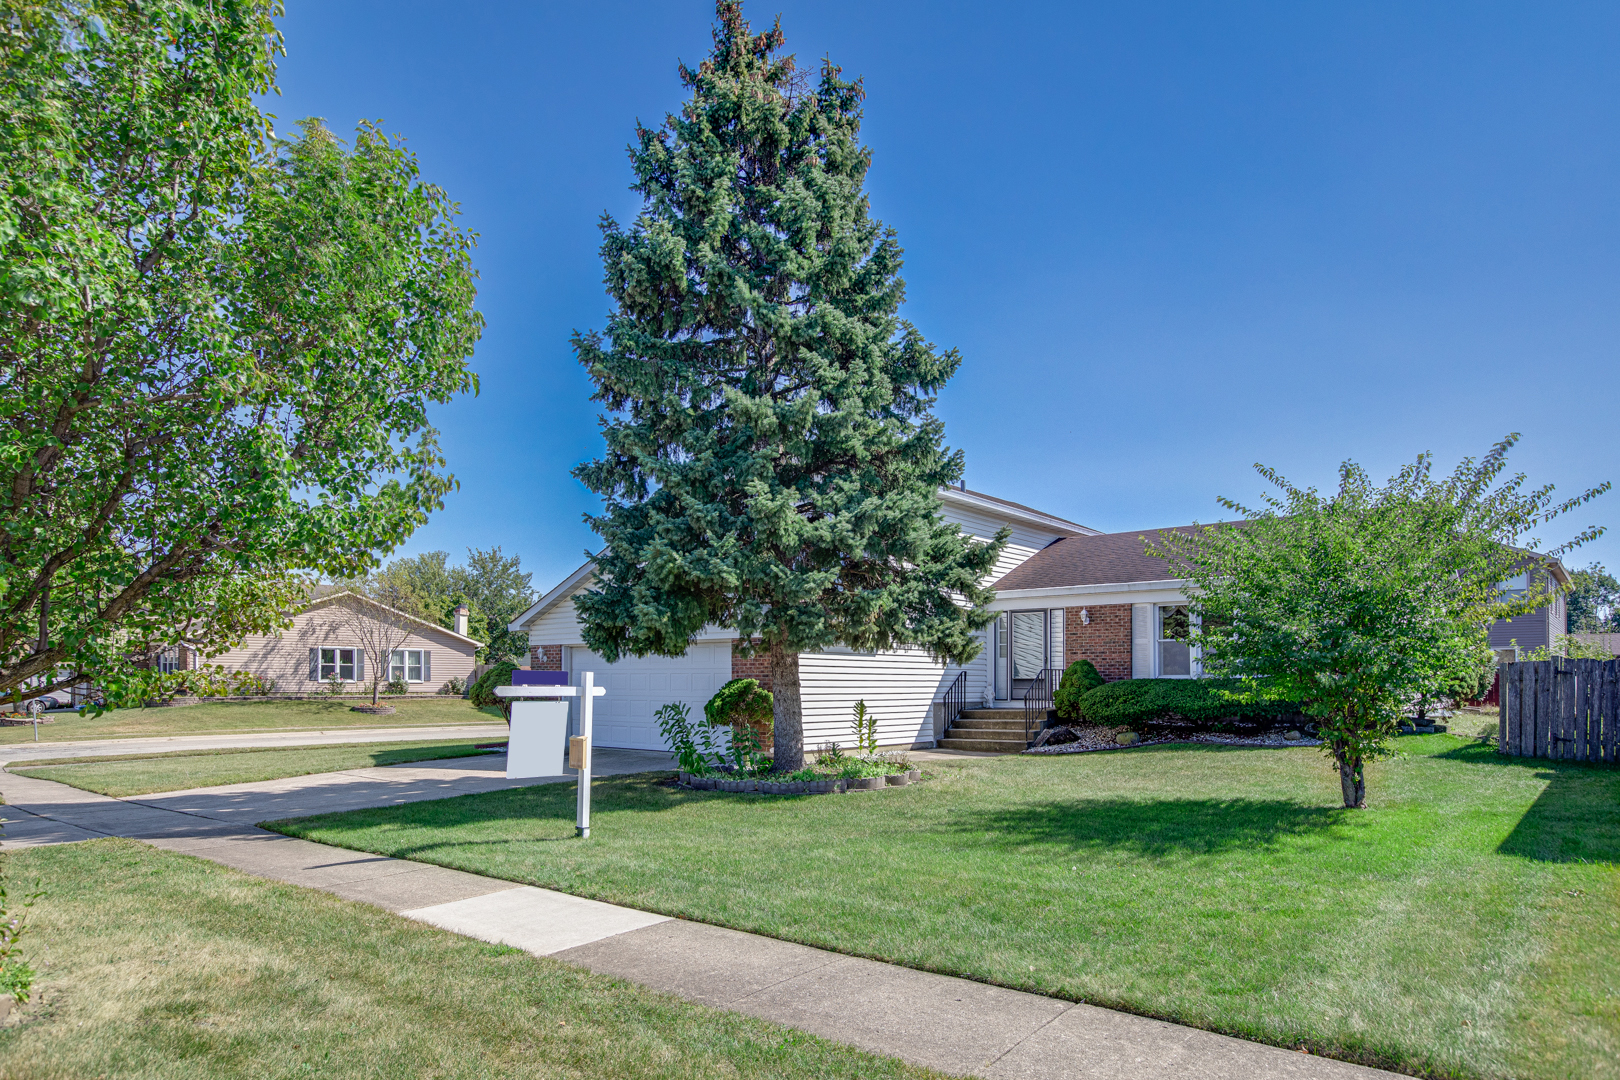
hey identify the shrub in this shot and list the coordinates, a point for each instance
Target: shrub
(1080, 678)
(455, 686)
(692, 746)
(742, 704)
(16, 977)
(483, 691)
(395, 686)
(1136, 703)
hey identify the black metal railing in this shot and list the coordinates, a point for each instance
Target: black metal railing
(952, 704)
(1038, 700)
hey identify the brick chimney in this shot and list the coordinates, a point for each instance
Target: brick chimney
(461, 619)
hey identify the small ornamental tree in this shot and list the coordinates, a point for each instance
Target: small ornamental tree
(772, 464)
(742, 704)
(217, 348)
(1358, 603)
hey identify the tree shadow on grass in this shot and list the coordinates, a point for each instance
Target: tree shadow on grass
(1576, 818)
(1153, 827)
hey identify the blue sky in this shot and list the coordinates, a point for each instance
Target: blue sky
(1170, 240)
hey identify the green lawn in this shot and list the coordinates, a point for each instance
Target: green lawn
(221, 717)
(1467, 924)
(158, 965)
(123, 775)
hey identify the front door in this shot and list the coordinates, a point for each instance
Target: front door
(1027, 652)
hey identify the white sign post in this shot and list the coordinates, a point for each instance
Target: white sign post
(539, 737)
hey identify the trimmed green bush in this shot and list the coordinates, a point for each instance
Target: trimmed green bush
(1079, 678)
(1136, 703)
(743, 704)
(483, 691)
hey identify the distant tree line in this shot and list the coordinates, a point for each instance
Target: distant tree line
(492, 584)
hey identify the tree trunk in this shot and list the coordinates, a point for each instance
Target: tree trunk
(1353, 784)
(787, 712)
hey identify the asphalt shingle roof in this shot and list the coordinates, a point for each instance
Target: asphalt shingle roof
(1105, 559)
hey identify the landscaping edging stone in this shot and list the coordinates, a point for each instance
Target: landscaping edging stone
(796, 787)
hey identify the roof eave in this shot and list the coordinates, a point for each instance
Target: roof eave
(1091, 590)
(1027, 517)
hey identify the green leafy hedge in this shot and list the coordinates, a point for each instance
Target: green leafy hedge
(1139, 702)
(483, 691)
(1080, 679)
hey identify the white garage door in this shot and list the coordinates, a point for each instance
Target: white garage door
(637, 687)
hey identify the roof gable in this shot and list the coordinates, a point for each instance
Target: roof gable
(345, 596)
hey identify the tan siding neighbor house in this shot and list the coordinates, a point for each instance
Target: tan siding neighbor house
(321, 643)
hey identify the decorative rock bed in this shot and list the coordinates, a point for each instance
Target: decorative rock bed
(797, 787)
(1094, 737)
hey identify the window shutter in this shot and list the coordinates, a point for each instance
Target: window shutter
(427, 665)
(314, 665)
(359, 665)
(1141, 641)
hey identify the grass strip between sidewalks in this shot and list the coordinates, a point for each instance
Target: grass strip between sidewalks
(1468, 924)
(163, 966)
(124, 775)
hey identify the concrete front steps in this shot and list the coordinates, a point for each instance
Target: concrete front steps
(988, 731)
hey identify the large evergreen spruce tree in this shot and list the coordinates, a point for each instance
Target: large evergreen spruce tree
(772, 462)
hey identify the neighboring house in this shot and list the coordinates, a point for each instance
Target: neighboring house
(1512, 638)
(1611, 642)
(899, 687)
(322, 644)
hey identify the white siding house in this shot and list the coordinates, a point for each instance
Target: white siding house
(899, 687)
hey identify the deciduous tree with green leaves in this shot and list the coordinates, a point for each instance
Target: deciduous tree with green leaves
(217, 348)
(773, 463)
(1594, 601)
(1358, 602)
(493, 585)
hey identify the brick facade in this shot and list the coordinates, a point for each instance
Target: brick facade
(1105, 641)
(756, 667)
(545, 657)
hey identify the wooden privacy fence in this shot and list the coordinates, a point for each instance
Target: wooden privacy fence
(1562, 709)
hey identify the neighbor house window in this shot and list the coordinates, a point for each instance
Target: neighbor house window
(338, 664)
(1175, 649)
(406, 666)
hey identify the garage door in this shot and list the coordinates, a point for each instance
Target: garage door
(637, 687)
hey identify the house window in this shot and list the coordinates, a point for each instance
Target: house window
(1175, 649)
(1001, 657)
(406, 666)
(1516, 585)
(337, 664)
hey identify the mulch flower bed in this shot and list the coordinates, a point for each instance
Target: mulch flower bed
(1098, 737)
(796, 787)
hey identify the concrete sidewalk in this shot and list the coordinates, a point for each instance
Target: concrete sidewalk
(954, 1025)
(19, 753)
